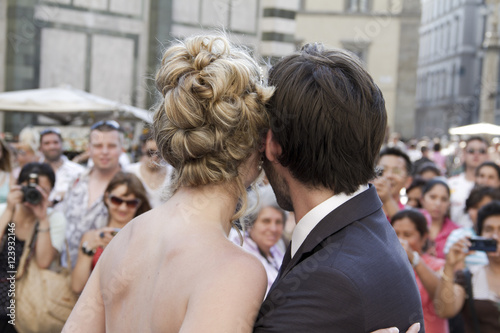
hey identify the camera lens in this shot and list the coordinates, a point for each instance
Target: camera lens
(32, 195)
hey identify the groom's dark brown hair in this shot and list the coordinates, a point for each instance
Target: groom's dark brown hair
(328, 116)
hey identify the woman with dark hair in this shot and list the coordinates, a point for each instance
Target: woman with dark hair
(27, 213)
(414, 192)
(428, 171)
(411, 227)
(5, 170)
(488, 174)
(126, 198)
(435, 204)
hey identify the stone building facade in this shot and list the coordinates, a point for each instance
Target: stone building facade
(384, 34)
(112, 47)
(100, 46)
(449, 65)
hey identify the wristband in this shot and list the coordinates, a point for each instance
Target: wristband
(86, 250)
(416, 259)
(43, 230)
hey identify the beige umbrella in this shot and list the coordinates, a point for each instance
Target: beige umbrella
(480, 128)
(65, 101)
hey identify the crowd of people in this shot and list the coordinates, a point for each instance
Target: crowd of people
(219, 127)
(63, 202)
(440, 215)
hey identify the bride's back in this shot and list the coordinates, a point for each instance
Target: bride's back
(160, 262)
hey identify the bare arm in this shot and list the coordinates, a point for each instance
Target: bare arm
(83, 267)
(14, 197)
(44, 251)
(88, 314)
(450, 297)
(429, 278)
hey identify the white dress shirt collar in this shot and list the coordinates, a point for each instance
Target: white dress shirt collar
(315, 215)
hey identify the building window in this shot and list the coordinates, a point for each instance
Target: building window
(355, 6)
(359, 48)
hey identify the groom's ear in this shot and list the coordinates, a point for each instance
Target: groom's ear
(272, 148)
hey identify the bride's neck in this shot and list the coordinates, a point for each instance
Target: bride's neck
(212, 203)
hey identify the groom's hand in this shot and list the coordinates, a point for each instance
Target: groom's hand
(415, 328)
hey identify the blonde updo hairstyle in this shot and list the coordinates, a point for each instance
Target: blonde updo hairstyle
(212, 116)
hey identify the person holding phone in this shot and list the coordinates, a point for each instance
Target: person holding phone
(479, 197)
(125, 198)
(481, 314)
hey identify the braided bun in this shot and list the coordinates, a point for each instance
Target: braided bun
(212, 114)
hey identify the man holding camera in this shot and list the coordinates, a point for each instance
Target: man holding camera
(83, 204)
(66, 171)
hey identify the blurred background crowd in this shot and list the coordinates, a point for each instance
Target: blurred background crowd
(432, 192)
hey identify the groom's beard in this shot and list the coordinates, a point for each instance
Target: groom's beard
(279, 185)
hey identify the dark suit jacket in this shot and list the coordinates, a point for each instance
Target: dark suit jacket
(350, 275)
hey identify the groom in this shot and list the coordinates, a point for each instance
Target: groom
(345, 270)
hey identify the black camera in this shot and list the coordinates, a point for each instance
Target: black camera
(31, 194)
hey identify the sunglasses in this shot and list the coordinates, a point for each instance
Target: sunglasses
(153, 153)
(106, 123)
(51, 130)
(133, 203)
(480, 151)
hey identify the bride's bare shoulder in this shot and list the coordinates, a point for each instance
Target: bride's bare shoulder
(230, 291)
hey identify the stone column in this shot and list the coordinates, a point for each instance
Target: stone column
(3, 47)
(278, 28)
(489, 80)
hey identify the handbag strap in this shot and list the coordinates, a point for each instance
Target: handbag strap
(29, 244)
(68, 257)
(472, 308)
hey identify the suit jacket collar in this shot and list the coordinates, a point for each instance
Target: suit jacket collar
(358, 207)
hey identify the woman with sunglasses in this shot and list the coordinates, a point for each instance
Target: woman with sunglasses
(125, 198)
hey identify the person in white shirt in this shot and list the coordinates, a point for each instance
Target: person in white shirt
(475, 153)
(51, 146)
